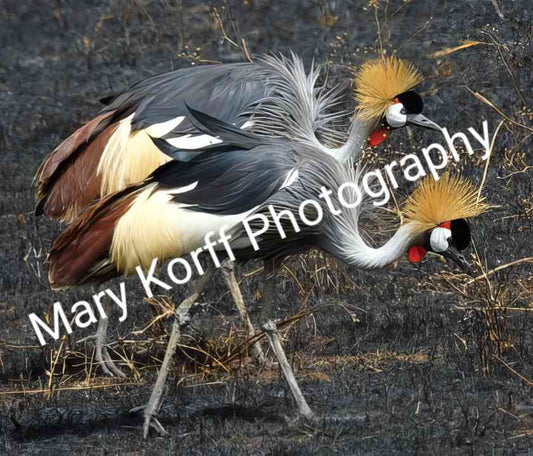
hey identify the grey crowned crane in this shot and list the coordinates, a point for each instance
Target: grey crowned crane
(239, 184)
(149, 124)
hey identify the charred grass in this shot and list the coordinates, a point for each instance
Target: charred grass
(413, 360)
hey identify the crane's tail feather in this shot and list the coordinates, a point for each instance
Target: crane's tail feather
(103, 156)
(81, 254)
(70, 145)
(67, 180)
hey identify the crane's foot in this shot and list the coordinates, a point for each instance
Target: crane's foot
(154, 403)
(102, 354)
(258, 355)
(336, 420)
(103, 358)
(107, 364)
(150, 421)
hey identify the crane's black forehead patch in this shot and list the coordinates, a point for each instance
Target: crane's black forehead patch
(460, 233)
(411, 101)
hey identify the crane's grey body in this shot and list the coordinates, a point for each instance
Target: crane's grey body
(225, 91)
(249, 172)
(273, 97)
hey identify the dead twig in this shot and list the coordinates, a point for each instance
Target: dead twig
(498, 110)
(448, 51)
(527, 168)
(69, 388)
(420, 30)
(517, 309)
(488, 160)
(524, 379)
(499, 268)
(245, 50)
(513, 79)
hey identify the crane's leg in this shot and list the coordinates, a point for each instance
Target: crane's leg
(103, 358)
(228, 270)
(273, 338)
(181, 319)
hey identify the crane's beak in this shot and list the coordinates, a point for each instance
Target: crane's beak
(422, 121)
(453, 254)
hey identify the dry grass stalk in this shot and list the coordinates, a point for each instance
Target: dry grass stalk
(524, 379)
(464, 45)
(498, 110)
(491, 148)
(500, 268)
(81, 387)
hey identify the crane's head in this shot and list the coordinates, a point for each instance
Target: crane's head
(384, 95)
(436, 213)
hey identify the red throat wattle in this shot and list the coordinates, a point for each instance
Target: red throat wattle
(416, 254)
(378, 136)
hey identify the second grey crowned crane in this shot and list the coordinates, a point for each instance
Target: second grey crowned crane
(169, 215)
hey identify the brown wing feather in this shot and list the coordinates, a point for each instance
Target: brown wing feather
(70, 168)
(78, 184)
(81, 249)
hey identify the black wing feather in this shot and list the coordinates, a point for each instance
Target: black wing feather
(232, 177)
(230, 182)
(223, 130)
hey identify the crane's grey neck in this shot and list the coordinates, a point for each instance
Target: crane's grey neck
(356, 252)
(358, 135)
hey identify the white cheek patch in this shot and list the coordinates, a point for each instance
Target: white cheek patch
(395, 117)
(439, 239)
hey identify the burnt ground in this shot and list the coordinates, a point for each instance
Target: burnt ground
(412, 360)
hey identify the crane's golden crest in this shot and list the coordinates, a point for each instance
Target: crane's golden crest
(379, 81)
(434, 202)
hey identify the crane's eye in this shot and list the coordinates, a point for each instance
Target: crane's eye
(460, 233)
(396, 115)
(412, 101)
